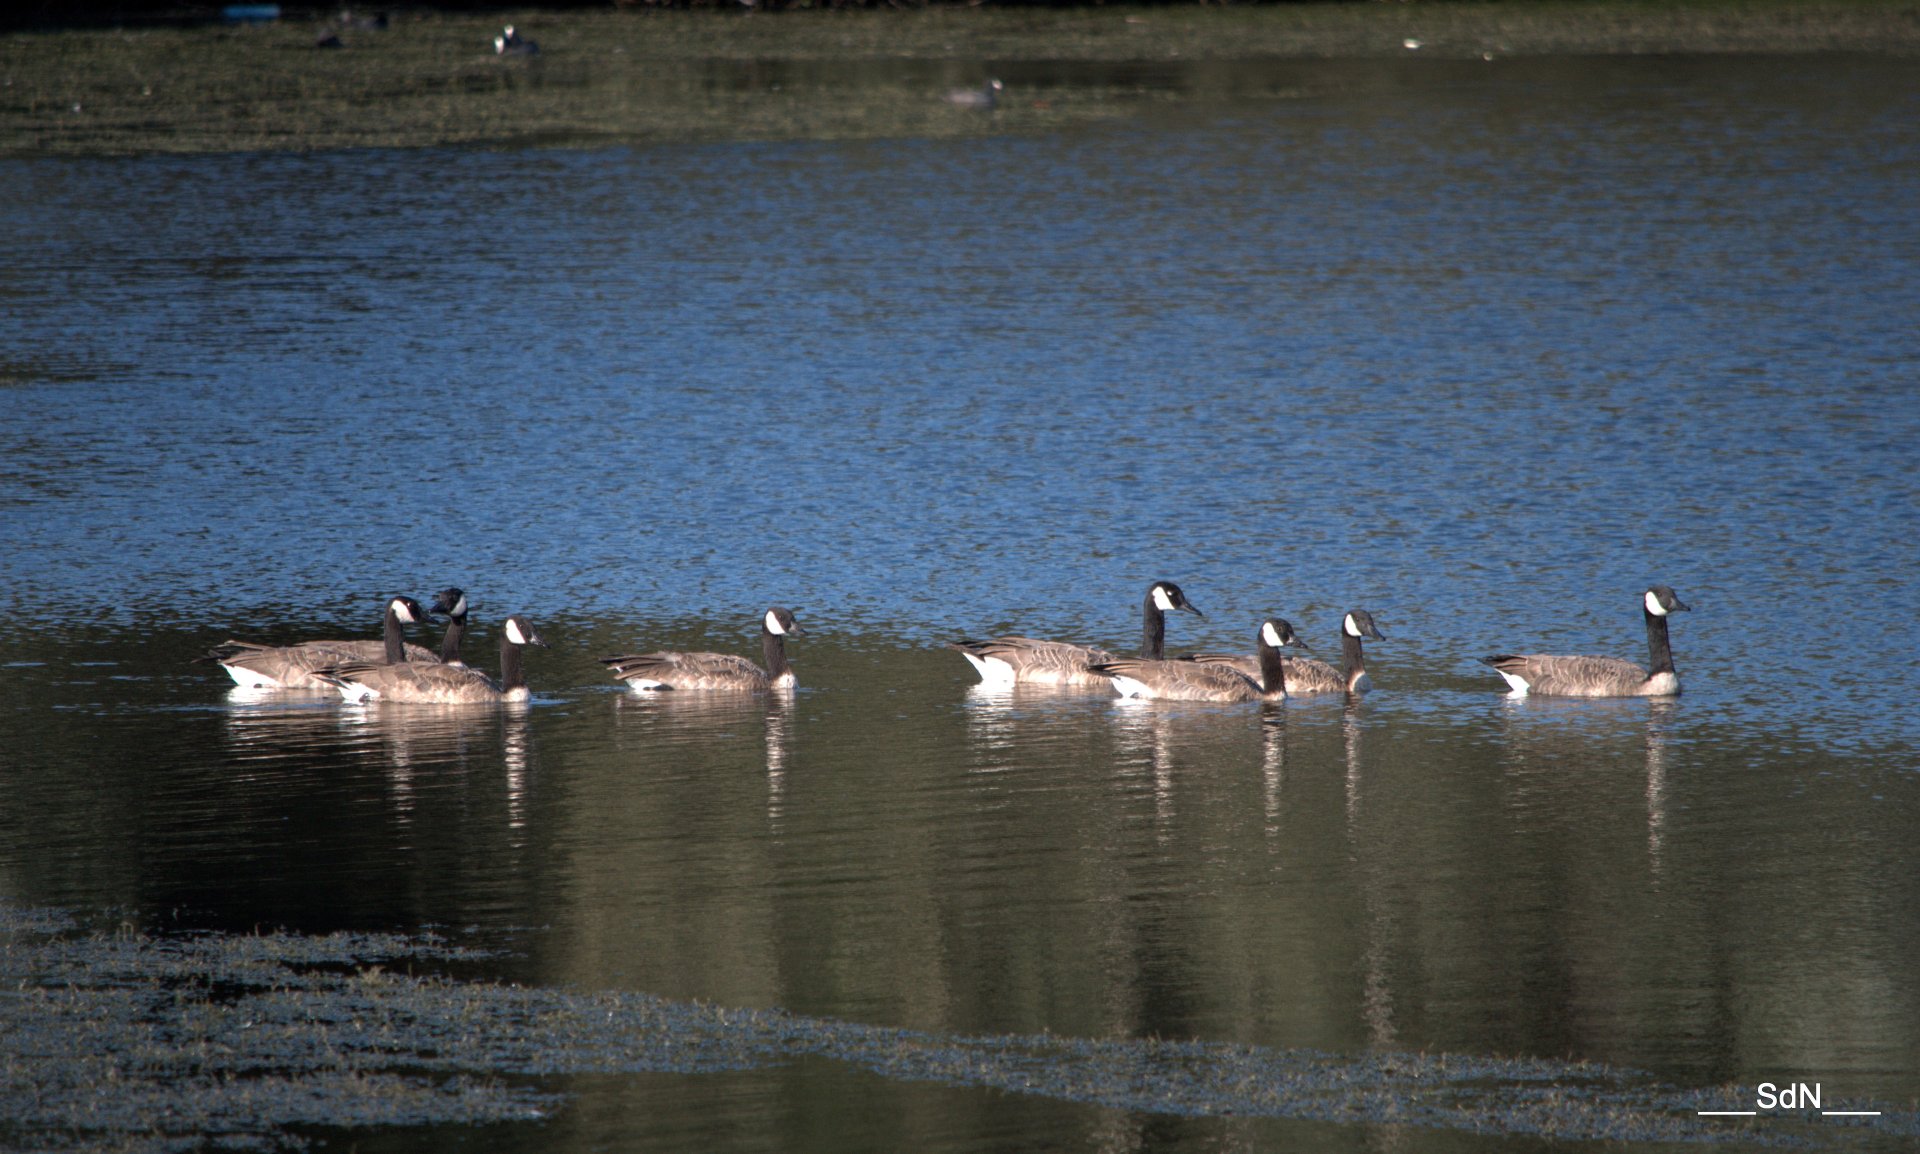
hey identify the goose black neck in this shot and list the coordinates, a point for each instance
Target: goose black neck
(1351, 658)
(774, 646)
(396, 644)
(511, 675)
(1657, 647)
(1153, 631)
(1273, 669)
(450, 644)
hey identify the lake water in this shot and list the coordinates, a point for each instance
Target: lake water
(1484, 349)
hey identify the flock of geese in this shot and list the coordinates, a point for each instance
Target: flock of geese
(393, 670)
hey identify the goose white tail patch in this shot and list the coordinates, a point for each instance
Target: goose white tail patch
(647, 684)
(513, 632)
(1271, 635)
(1653, 605)
(773, 624)
(1517, 683)
(353, 691)
(1161, 601)
(1128, 687)
(992, 670)
(250, 679)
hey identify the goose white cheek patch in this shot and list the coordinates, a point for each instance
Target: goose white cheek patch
(1161, 601)
(513, 632)
(1353, 628)
(773, 624)
(459, 608)
(1272, 635)
(403, 614)
(1653, 605)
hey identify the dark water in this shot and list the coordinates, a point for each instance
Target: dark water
(1484, 351)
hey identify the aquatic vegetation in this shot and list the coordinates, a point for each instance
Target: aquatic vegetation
(132, 1041)
(647, 76)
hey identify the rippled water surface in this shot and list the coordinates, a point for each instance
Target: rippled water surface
(1484, 350)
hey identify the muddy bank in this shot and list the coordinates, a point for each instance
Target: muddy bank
(127, 1041)
(643, 76)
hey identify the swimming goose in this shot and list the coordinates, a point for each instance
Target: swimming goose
(1006, 660)
(1307, 675)
(1200, 681)
(648, 672)
(440, 684)
(257, 666)
(1601, 676)
(451, 603)
(983, 97)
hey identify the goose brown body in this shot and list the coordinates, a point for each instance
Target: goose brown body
(439, 684)
(257, 666)
(722, 672)
(1030, 660)
(1187, 680)
(1587, 676)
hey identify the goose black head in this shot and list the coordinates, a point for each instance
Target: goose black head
(406, 610)
(1166, 597)
(520, 631)
(451, 602)
(1277, 633)
(780, 622)
(1359, 623)
(1661, 601)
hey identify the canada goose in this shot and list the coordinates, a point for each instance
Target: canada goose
(984, 97)
(1199, 681)
(451, 603)
(1006, 660)
(1601, 676)
(1307, 675)
(439, 684)
(511, 43)
(647, 672)
(257, 666)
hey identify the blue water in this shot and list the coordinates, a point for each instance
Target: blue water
(1489, 362)
(1485, 352)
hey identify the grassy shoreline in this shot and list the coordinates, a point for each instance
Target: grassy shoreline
(647, 75)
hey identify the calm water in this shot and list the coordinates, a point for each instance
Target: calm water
(1484, 350)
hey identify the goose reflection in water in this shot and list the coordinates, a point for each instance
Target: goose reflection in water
(1014, 725)
(1177, 738)
(273, 733)
(265, 725)
(1273, 771)
(1592, 735)
(658, 722)
(445, 741)
(1377, 880)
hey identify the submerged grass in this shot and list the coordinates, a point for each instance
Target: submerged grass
(649, 75)
(130, 1042)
